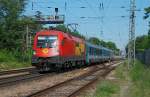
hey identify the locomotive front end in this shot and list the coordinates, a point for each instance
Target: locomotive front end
(45, 50)
(46, 46)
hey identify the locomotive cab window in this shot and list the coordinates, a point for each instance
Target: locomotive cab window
(47, 41)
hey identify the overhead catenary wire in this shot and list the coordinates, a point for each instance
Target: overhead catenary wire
(105, 5)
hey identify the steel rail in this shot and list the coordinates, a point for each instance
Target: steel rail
(73, 94)
(52, 88)
(28, 69)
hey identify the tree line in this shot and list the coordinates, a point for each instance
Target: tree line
(143, 42)
(109, 44)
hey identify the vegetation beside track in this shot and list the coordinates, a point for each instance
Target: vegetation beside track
(140, 78)
(12, 60)
(106, 89)
(124, 82)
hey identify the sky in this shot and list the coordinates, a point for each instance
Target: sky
(105, 19)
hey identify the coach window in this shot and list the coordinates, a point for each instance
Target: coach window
(91, 51)
(94, 51)
(97, 52)
(100, 51)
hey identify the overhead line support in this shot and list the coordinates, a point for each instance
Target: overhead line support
(131, 44)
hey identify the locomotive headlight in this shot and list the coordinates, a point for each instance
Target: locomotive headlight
(34, 52)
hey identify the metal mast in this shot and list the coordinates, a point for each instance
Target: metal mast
(131, 45)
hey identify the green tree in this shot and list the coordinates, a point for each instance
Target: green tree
(63, 28)
(141, 43)
(9, 19)
(109, 44)
(140, 40)
(147, 15)
(113, 47)
(147, 12)
(10, 12)
(95, 41)
(13, 24)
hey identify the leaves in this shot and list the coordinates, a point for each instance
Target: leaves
(10, 13)
(147, 15)
(142, 42)
(147, 12)
(13, 24)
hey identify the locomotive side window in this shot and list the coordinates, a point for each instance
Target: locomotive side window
(47, 41)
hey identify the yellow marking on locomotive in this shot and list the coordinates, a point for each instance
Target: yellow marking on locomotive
(82, 47)
(79, 49)
(45, 50)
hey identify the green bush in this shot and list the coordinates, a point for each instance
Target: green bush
(140, 77)
(13, 59)
(106, 89)
(6, 56)
(137, 71)
(121, 71)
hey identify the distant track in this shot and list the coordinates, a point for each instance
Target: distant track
(72, 86)
(16, 71)
(23, 78)
(16, 76)
(17, 79)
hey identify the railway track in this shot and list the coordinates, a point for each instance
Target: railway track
(16, 76)
(14, 71)
(17, 79)
(23, 78)
(71, 87)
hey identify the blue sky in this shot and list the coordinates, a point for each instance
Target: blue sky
(113, 27)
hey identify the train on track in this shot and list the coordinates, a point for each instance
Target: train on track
(54, 49)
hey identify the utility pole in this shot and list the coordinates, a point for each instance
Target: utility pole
(27, 37)
(131, 44)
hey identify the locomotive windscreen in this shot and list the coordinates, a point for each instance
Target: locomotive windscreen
(47, 41)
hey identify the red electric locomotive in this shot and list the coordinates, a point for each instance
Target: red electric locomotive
(55, 49)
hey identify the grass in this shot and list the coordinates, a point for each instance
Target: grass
(137, 79)
(140, 77)
(106, 89)
(12, 60)
(120, 71)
